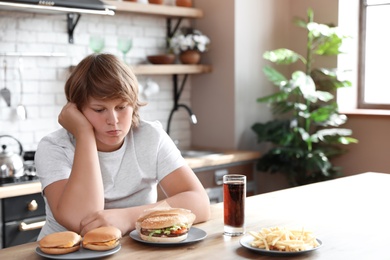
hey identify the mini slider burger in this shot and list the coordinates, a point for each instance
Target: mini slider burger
(165, 226)
(102, 238)
(60, 243)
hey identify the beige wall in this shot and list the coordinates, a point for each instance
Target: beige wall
(241, 31)
(224, 101)
(212, 96)
(373, 150)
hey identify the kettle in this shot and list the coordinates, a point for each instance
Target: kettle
(11, 164)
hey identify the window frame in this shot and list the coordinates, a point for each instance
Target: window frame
(361, 103)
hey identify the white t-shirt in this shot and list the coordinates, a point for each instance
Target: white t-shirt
(130, 174)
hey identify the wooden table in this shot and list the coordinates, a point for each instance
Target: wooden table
(349, 215)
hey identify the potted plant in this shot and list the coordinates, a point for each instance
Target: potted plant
(306, 131)
(188, 44)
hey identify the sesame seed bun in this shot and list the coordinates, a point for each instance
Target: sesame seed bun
(163, 221)
(177, 211)
(165, 226)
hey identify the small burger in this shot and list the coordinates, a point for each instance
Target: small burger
(60, 243)
(165, 226)
(102, 238)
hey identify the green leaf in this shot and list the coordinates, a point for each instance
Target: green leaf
(334, 120)
(282, 107)
(335, 135)
(282, 56)
(328, 80)
(319, 30)
(306, 84)
(300, 22)
(304, 114)
(277, 132)
(318, 161)
(323, 113)
(276, 97)
(324, 95)
(347, 140)
(299, 106)
(305, 135)
(310, 14)
(274, 76)
(330, 47)
(326, 39)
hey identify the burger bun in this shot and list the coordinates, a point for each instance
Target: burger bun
(164, 239)
(102, 238)
(60, 243)
(162, 219)
(142, 220)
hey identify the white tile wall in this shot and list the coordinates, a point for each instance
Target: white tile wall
(44, 77)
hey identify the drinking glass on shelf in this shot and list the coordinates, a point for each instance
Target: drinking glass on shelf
(96, 43)
(124, 45)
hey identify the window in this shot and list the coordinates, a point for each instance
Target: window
(374, 55)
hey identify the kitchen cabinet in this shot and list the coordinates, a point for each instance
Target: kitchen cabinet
(211, 179)
(21, 219)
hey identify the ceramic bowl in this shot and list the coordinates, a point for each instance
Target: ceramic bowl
(156, 2)
(161, 59)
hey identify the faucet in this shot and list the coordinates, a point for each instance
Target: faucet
(192, 115)
(176, 105)
(193, 118)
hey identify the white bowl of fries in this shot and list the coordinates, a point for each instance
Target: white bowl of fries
(281, 241)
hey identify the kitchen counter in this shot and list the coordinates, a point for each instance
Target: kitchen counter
(349, 215)
(219, 158)
(222, 158)
(20, 189)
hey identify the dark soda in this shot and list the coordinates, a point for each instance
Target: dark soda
(234, 203)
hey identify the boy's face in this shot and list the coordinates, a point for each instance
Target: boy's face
(111, 120)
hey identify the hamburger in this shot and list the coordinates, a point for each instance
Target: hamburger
(102, 238)
(60, 243)
(165, 226)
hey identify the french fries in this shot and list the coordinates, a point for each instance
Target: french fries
(283, 239)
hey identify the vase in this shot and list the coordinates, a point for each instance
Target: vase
(189, 57)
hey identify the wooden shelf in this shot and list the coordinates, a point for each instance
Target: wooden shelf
(170, 69)
(153, 9)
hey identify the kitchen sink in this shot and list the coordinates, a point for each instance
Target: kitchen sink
(198, 153)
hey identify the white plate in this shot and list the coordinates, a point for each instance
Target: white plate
(194, 235)
(80, 254)
(246, 240)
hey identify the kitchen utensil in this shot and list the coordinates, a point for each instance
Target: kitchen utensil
(11, 164)
(151, 88)
(21, 109)
(5, 92)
